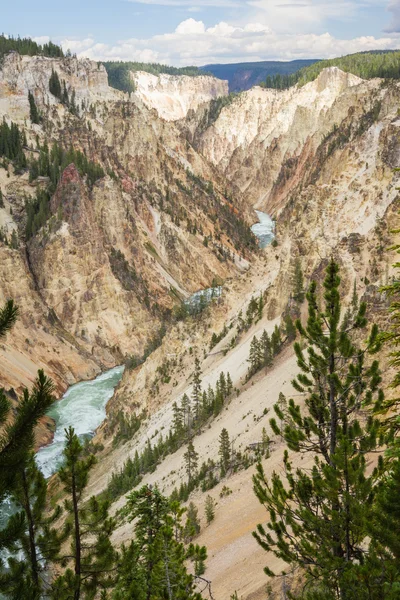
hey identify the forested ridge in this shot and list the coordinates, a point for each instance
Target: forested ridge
(367, 65)
(119, 72)
(27, 46)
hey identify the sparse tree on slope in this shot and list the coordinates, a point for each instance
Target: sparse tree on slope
(196, 393)
(153, 566)
(191, 461)
(224, 450)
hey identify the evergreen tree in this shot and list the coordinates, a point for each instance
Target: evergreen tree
(33, 111)
(16, 444)
(177, 420)
(266, 349)
(210, 509)
(55, 85)
(265, 442)
(255, 357)
(191, 461)
(222, 385)
(92, 553)
(298, 282)
(229, 385)
(192, 525)
(153, 566)
(38, 542)
(196, 392)
(224, 450)
(290, 328)
(319, 516)
(276, 341)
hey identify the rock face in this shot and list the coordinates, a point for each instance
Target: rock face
(21, 74)
(174, 96)
(116, 256)
(261, 130)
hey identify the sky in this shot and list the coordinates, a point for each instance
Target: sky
(200, 32)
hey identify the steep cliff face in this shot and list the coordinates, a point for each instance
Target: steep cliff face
(21, 74)
(262, 129)
(115, 256)
(174, 96)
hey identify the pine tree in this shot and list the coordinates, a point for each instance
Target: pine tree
(177, 420)
(266, 349)
(38, 541)
(276, 341)
(186, 412)
(319, 516)
(255, 357)
(153, 566)
(290, 328)
(92, 553)
(191, 461)
(209, 509)
(33, 111)
(55, 85)
(196, 391)
(222, 385)
(298, 282)
(16, 444)
(265, 442)
(192, 525)
(224, 450)
(229, 385)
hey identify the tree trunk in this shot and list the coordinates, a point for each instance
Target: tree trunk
(77, 592)
(31, 531)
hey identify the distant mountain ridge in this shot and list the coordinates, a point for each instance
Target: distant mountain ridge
(243, 76)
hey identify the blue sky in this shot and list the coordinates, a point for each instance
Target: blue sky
(202, 31)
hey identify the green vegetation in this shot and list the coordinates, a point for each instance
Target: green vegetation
(367, 65)
(37, 213)
(187, 420)
(59, 90)
(320, 515)
(12, 141)
(119, 72)
(33, 111)
(214, 109)
(26, 46)
(209, 509)
(51, 164)
(19, 477)
(154, 564)
(92, 559)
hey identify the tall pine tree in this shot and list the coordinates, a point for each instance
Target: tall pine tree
(319, 515)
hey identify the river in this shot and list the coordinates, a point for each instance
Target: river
(83, 406)
(264, 229)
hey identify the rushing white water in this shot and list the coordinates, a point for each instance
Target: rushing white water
(203, 297)
(264, 229)
(82, 407)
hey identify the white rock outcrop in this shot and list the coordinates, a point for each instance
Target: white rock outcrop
(172, 96)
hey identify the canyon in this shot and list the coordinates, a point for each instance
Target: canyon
(171, 216)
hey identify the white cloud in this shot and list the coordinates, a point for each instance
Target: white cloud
(193, 43)
(41, 39)
(190, 27)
